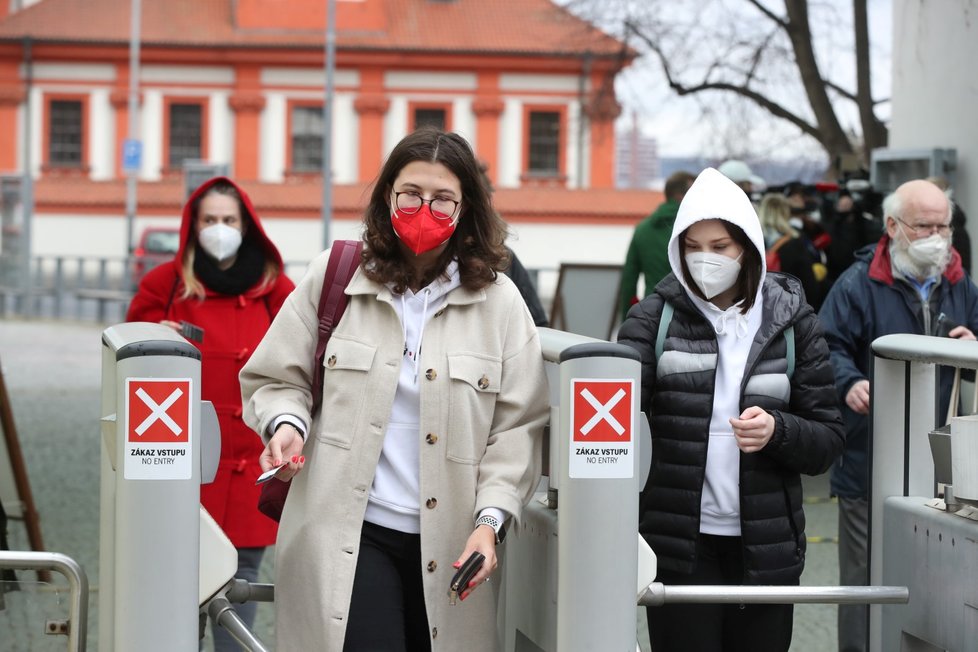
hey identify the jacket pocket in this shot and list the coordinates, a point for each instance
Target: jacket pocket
(346, 372)
(475, 380)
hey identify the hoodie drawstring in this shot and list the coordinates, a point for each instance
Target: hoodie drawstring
(740, 325)
(424, 318)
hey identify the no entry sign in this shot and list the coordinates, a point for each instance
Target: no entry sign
(602, 422)
(158, 425)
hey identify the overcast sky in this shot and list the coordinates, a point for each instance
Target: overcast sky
(678, 124)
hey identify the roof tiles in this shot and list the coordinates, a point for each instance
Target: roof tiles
(486, 26)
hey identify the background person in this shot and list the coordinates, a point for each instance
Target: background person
(902, 284)
(647, 252)
(227, 278)
(433, 407)
(789, 247)
(731, 428)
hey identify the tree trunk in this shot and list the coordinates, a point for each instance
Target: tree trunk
(875, 133)
(832, 137)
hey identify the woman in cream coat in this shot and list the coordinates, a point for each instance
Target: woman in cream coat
(428, 439)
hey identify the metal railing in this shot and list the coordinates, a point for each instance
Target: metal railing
(77, 579)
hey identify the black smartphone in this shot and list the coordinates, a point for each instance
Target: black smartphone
(943, 325)
(192, 331)
(464, 574)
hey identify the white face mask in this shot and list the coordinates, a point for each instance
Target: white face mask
(932, 250)
(713, 273)
(220, 241)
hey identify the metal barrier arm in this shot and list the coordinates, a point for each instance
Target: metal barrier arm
(77, 579)
(223, 614)
(658, 594)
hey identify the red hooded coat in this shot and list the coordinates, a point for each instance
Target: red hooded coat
(233, 326)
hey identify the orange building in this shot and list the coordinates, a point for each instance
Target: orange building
(241, 83)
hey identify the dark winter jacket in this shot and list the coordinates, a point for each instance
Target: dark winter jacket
(867, 302)
(807, 436)
(233, 325)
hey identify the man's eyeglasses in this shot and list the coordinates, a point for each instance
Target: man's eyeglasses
(921, 230)
(410, 202)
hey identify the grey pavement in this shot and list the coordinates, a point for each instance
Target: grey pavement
(52, 370)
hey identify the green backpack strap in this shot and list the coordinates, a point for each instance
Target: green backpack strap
(789, 340)
(660, 337)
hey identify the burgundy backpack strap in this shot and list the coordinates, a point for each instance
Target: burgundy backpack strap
(344, 258)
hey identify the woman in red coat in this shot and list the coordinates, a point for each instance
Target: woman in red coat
(228, 279)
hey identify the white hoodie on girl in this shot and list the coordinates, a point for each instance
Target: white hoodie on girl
(714, 196)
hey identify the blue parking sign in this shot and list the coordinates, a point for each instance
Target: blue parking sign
(132, 155)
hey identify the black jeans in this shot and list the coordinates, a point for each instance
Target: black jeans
(387, 611)
(718, 627)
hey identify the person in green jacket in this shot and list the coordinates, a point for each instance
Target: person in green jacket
(647, 253)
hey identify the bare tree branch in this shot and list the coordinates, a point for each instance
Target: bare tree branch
(744, 91)
(770, 14)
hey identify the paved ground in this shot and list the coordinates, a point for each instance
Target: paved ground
(52, 371)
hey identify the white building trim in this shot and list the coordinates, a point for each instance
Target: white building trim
(427, 80)
(395, 123)
(151, 133)
(517, 82)
(216, 75)
(510, 144)
(101, 136)
(345, 150)
(312, 77)
(463, 121)
(271, 146)
(83, 72)
(220, 129)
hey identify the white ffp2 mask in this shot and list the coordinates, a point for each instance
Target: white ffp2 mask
(713, 273)
(220, 241)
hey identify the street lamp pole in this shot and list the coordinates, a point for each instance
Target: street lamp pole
(327, 210)
(133, 132)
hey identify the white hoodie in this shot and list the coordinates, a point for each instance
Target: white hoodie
(393, 501)
(714, 196)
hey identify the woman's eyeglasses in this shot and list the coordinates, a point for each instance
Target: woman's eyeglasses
(410, 202)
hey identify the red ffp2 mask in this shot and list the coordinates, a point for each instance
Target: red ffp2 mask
(421, 231)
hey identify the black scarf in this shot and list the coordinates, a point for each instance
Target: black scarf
(246, 271)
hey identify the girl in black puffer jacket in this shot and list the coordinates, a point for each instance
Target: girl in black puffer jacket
(741, 399)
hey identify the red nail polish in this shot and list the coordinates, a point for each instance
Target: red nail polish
(302, 459)
(295, 459)
(456, 565)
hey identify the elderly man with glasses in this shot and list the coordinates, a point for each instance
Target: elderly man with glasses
(911, 281)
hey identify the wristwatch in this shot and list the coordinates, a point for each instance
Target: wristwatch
(498, 527)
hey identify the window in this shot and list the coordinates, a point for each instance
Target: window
(65, 130)
(186, 133)
(429, 117)
(307, 138)
(544, 143)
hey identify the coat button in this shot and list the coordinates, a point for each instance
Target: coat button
(483, 383)
(432, 566)
(331, 362)
(431, 438)
(431, 374)
(431, 503)
(434, 632)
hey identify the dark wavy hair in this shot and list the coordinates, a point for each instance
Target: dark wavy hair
(750, 267)
(478, 239)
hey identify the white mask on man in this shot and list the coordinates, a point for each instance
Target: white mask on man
(713, 273)
(220, 241)
(932, 250)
